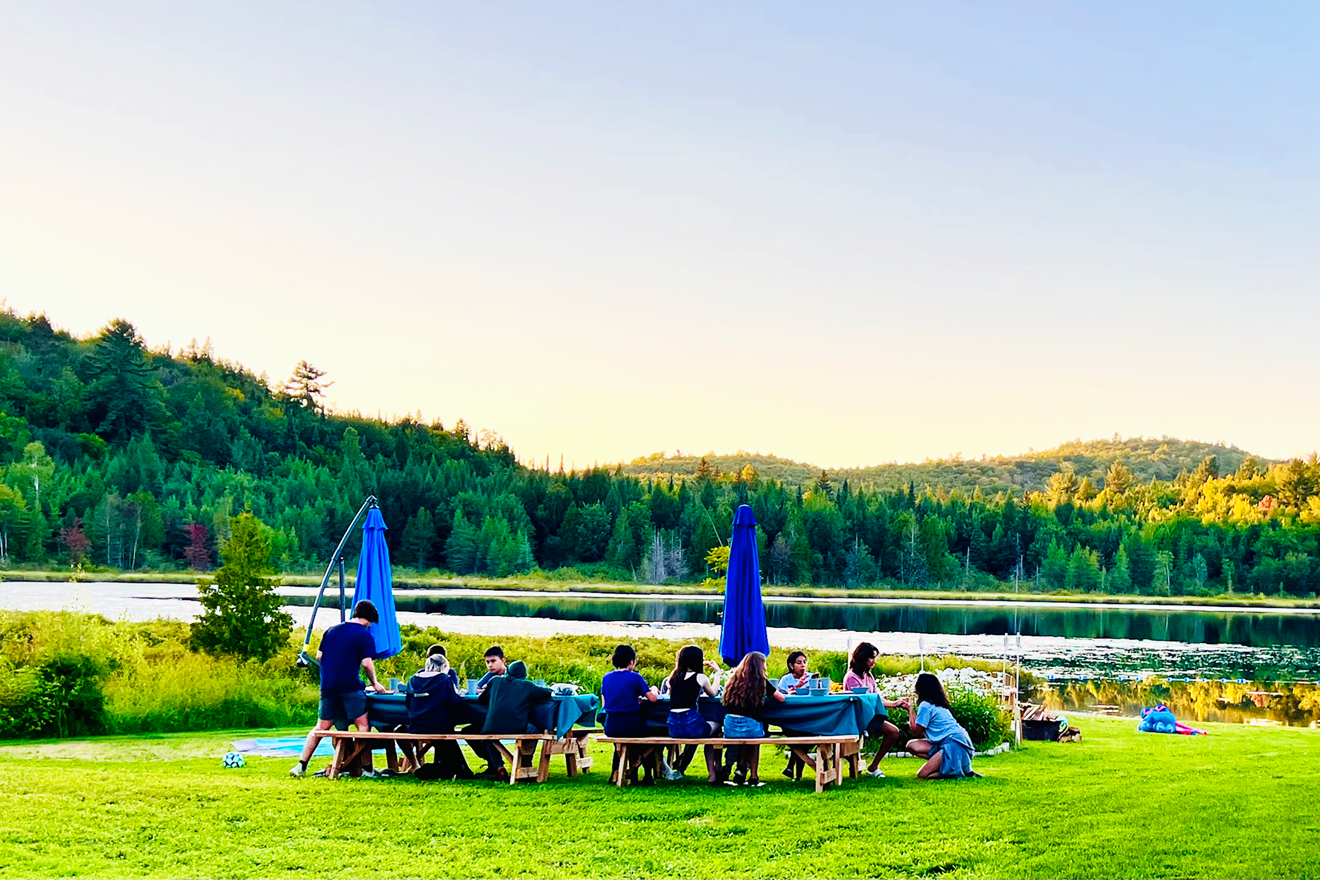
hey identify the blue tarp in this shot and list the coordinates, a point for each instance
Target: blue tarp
(375, 583)
(743, 628)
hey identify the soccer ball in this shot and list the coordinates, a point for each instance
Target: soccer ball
(233, 760)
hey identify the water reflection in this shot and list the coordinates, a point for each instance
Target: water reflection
(1192, 627)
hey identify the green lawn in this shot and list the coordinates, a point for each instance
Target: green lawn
(1243, 802)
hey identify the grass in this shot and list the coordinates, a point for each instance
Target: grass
(548, 583)
(1241, 802)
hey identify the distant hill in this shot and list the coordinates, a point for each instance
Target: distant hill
(1148, 458)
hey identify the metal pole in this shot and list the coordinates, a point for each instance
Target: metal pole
(329, 570)
(342, 609)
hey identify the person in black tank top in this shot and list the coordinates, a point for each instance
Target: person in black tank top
(686, 683)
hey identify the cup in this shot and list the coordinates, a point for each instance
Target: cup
(540, 682)
(472, 687)
(394, 685)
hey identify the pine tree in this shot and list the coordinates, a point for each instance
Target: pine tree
(1120, 576)
(240, 609)
(418, 540)
(461, 548)
(1163, 573)
(125, 396)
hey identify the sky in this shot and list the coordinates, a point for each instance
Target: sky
(847, 233)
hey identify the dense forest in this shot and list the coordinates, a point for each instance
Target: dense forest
(116, 455)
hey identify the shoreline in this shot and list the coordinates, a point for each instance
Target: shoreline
(522, 587)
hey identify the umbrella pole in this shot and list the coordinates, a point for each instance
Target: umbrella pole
(336, 559)
(342, 609)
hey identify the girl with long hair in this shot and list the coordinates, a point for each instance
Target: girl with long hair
(745, 693)
(686, 685)
(860, 664)
(943, 742)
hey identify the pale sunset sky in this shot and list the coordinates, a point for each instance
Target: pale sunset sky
(845, 233)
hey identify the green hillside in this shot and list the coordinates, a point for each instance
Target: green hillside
(1148, 458)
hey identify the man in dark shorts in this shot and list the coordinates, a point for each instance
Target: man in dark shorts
(343, 649)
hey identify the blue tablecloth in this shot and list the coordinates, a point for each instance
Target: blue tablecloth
(559, 714)
(833, 715)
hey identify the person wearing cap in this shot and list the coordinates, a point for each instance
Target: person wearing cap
(344, 649)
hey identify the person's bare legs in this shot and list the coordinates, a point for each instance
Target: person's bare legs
(931, 769)
(750, 763)
(920, 747)
(888, 736)
(312, 741)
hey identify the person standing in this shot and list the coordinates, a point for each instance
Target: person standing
(344, 649)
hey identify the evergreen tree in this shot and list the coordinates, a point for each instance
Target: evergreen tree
(240, 610)
(1120, 576)
(125, 397)
(461, 548)
(1054, 569)
(418, 541)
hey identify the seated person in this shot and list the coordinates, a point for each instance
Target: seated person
(511, 698)
(495, 666)
(944, 743)
(796, 680)
(440, 649)
(859, 674)
(622, 692)
(433, 707)
(745, 693)
(686, 684)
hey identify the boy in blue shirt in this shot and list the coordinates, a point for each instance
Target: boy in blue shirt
(343, 649)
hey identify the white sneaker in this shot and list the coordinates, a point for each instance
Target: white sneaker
(877, 773)
(297, 770)
(673, 775)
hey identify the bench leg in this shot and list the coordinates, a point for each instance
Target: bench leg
(621, 773)
(391, 757)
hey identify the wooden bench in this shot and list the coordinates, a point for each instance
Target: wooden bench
(828, 759)
(350, 746)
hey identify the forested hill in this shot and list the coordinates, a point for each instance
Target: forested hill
(1148, 459)
(118, 456)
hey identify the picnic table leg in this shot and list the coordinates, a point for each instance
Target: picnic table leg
(621, 749)
(852, 754)
(543, 771)
(391, 758)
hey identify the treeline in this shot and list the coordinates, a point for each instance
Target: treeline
(116, 455)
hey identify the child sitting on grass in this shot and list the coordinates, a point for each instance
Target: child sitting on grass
(744, 695)
(944, 743)
(622, 692)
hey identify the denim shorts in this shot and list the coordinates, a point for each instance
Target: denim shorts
(687, 725)
(348, 705)
(742, 727)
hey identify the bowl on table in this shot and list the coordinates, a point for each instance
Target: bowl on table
(859, 690)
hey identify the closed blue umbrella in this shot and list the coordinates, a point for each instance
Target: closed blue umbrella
(743, 628)
(375, 583)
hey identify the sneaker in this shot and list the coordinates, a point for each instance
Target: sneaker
(877, 773)
(371, 774)
(322, 773)
(674, 775)
(297, 770)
